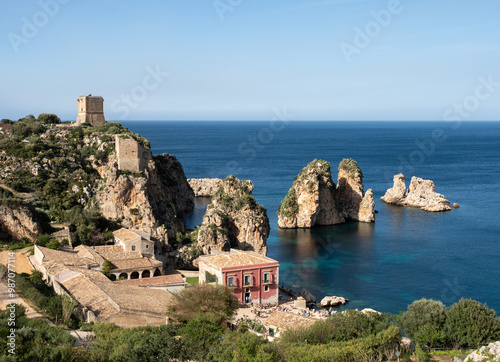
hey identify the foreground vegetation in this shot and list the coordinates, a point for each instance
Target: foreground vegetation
(198, 331)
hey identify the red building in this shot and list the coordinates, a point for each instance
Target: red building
(254, 277)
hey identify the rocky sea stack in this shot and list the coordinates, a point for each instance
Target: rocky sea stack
(234, 220)
(314, 199)
(421, 194)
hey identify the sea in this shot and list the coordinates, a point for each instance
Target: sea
(407, 253)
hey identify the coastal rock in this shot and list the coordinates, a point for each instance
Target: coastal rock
(234, 220)
(314, 199)
(151, 201)
(489, 353)
(456, 206)
(333, 301)
(369, 310)
(17, 221)
(208, 186)
(396, 194)
(421, 194)
(310, 299)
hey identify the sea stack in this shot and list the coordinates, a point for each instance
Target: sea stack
(234, 220)
(314, 199)
(421, 194)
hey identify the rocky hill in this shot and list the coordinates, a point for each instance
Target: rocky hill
(234, 220)
(73, 177)
(314, 199)
(421, 194)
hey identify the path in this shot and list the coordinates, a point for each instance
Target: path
(22, 265)
(22, 195)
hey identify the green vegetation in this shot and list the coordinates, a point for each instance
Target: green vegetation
(237, 200)
(212, 302)
(193, 280)
(351, 167)
(289, 206)
(198, 333)
(210, 278)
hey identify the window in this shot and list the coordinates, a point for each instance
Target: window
(248, 279)
(147, 246)
(267, 277)
(266, 288)
(230, 281)
(133, 247)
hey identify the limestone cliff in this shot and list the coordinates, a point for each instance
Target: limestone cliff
(352, 201)
(153, 200)
(311, 200)
(234, 220)
(314, 199)
(421, 194)
(17, 221)
(208, 186)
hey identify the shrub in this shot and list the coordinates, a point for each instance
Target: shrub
(289, 206)
(424, 321)
(470, 323)
(351, 167)
(48, 118)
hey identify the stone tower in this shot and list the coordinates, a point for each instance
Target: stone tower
(90, 110)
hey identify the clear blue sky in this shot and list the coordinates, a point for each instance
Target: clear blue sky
(242, 61)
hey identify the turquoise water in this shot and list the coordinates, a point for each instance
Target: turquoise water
(407, 253)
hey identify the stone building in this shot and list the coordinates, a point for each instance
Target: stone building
(90, 110)
(253, 276)
(131, 155)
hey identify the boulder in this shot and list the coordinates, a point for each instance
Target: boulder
(310, 299)
(396, 194)
(333, 301)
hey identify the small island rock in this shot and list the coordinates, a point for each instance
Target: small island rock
(333, 301)
(421, 194)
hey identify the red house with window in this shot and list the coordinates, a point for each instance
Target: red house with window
(254, 277)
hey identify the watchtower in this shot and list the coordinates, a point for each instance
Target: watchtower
(90, 110)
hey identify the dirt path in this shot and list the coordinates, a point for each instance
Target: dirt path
(22, 195)
(22, 264)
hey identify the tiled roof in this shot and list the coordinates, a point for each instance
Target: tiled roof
(125, 235)
(236, 258)
(136, 264)
(287, 320)
(162, 280)
(69, 258)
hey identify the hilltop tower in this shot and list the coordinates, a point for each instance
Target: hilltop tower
(90, 110)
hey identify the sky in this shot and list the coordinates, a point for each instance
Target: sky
(252, 59)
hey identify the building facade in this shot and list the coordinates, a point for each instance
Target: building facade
(253, 277)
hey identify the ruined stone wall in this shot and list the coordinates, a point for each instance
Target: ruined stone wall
(131, 155)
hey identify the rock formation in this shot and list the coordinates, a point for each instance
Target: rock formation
(17, 221)
(315, 200)
(421, 194)
(333, 301)
(491, 352)
(307, 295)
(396, 194)
(153, 201)
(234, 220)
(208, 186)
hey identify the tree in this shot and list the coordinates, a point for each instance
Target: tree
(198, 336)
(6, 121)
(48, 118)
(213, 302)
(424, 320)
(470, 323)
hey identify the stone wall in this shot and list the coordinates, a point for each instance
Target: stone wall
(131, 155)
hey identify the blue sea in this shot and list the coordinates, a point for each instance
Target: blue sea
(407, 254)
